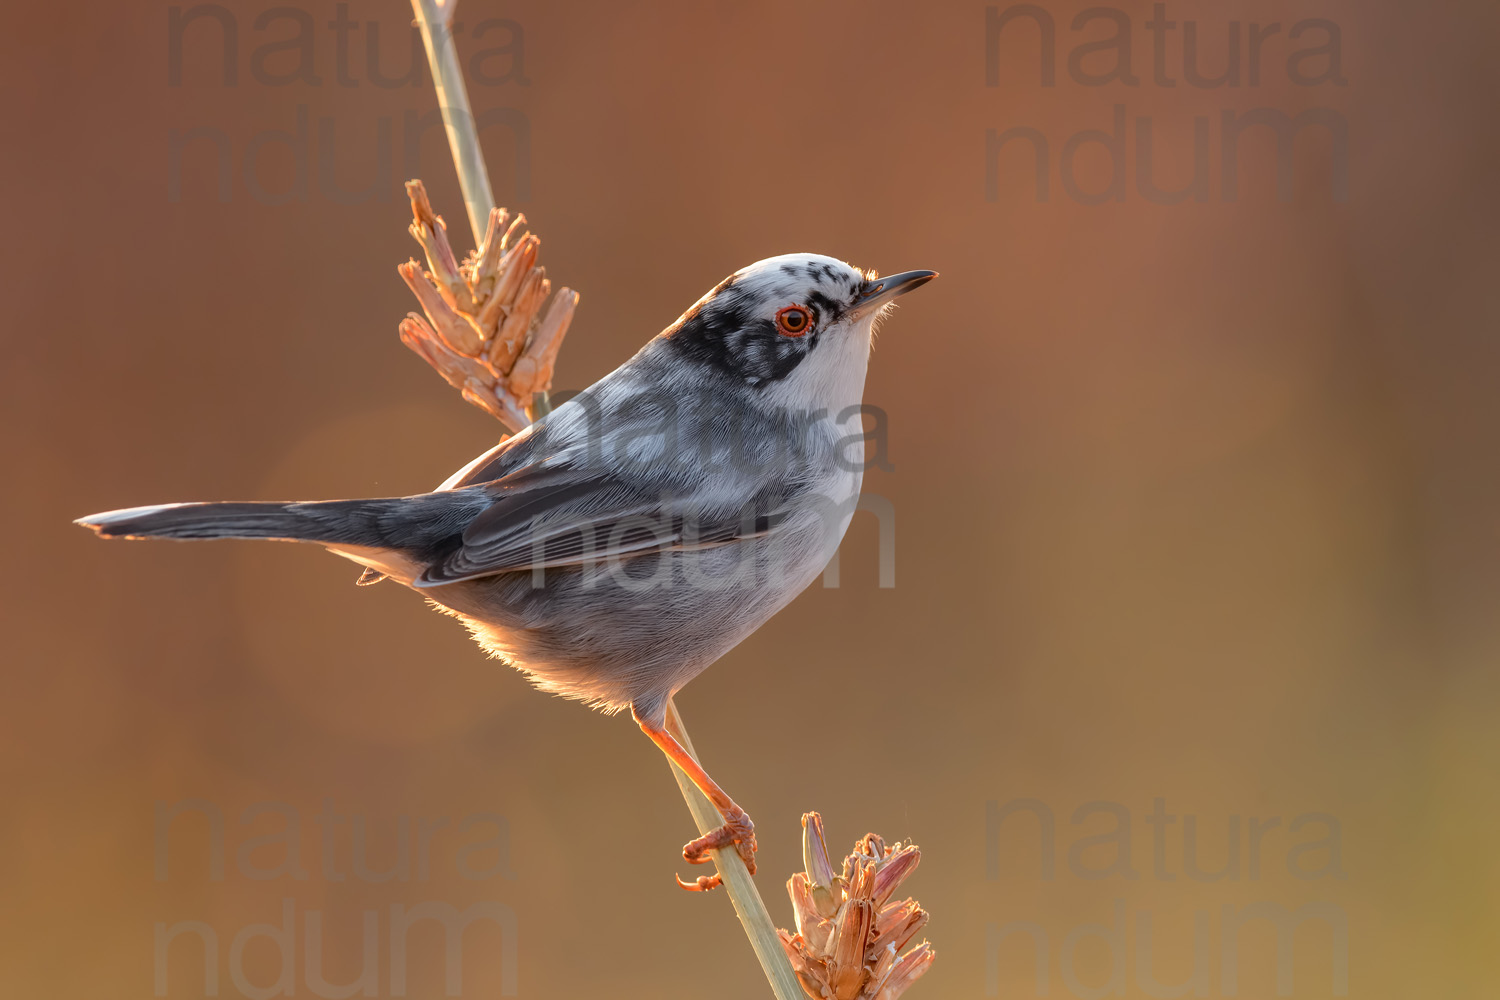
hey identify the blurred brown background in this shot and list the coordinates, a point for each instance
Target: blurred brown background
(1194, 502)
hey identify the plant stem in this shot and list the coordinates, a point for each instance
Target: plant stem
(737, 881)
(434, 18)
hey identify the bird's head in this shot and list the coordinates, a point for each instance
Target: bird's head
(796, 328)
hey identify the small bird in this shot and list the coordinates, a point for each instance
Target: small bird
(622, 543)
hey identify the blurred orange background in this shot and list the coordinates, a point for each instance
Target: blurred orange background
(1194, 502)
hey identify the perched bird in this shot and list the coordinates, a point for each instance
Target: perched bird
(622, 543)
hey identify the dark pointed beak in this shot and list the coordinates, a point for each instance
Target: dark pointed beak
(878, 291)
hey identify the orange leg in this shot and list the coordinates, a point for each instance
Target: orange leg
(737, 829)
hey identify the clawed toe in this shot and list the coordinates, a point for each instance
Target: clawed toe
(737, 831)
(703, 883)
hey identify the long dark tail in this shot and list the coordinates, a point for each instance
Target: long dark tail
(354, 522)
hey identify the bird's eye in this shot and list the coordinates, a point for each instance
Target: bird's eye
(793, 321)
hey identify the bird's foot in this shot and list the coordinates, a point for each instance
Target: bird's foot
(738, 831)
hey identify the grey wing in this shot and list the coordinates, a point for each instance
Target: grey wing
(551, 517)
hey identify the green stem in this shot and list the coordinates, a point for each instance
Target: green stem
(743, 895)
(434, 18)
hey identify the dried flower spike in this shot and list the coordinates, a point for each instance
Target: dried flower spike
(489, 328)
(849, 935)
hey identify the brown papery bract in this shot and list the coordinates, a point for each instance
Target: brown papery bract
(492, 328)
(849, 937)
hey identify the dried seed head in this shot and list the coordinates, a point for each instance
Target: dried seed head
(490, 329)
(849, 935)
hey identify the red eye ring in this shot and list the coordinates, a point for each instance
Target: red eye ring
(793, 321)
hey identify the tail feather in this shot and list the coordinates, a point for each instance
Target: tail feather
(297, 522)
(391, 536)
